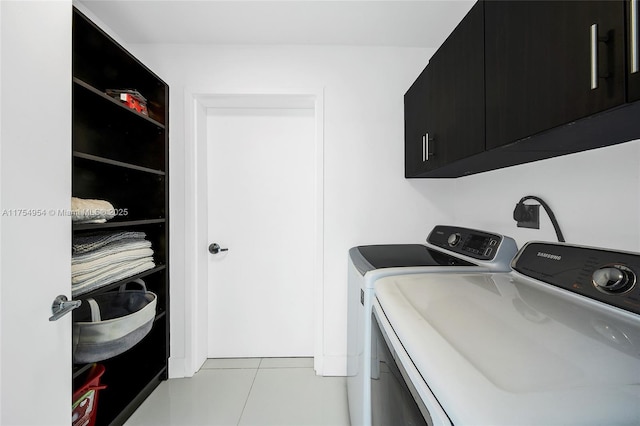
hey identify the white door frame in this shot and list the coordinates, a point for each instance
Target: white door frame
(196, 212)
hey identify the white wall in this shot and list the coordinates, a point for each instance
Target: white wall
(366, 200)
(595, 196)
(1, 118)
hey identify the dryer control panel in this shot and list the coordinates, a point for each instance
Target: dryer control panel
(469, 242)
(605, 275)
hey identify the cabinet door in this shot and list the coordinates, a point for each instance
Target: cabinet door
(447, 100)
(539, 64)
(633, 49)
(456, 91)
(416, 122)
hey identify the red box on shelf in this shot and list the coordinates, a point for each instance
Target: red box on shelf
(131, 98)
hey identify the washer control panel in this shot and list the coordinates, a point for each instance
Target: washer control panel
(469, 242)
(600, 274)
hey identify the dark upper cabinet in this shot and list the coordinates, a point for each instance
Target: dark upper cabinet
(521, 81)
(416, 123)
(633, 41)
(539, 64)
(444, 108)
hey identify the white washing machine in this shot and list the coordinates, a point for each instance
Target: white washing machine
(448, 249)
(556, 341)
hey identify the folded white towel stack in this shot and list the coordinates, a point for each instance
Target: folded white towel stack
(91, 211)
(103, 258)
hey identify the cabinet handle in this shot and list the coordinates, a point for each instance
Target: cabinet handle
(426, 152)
(633, 9)
(594, 56)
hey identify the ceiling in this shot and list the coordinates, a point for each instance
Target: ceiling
(418, 23)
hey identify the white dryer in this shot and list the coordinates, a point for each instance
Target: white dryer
(556, 341)
(448, 249)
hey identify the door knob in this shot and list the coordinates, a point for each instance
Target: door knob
(215, 248)
(61, 306)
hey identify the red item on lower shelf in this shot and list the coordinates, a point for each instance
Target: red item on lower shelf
(85, 399)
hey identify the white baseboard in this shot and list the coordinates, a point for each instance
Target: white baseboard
(334, 365)
(177, 368)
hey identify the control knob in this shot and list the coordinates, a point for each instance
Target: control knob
(614, 279)
(454, 239)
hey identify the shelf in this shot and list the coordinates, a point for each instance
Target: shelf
(156, 232)
(160, 316)
(102, 63)
(78, 370)
(113, 101)
(117, 284)
(128, 375)
(115, 224)
(139, 398)
(110, 132)
(134, 194)
(122, 156)
(122, 164)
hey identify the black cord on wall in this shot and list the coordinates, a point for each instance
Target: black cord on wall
(520, 208)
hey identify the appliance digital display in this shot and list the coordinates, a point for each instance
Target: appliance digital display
(475, 242)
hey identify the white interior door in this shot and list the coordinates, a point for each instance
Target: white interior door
(35, 164)
(261, 202)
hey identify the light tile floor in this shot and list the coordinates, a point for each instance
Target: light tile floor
(248, 391)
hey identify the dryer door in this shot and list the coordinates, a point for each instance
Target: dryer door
(392, 399)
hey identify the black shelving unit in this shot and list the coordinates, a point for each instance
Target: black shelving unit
(122, 156)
